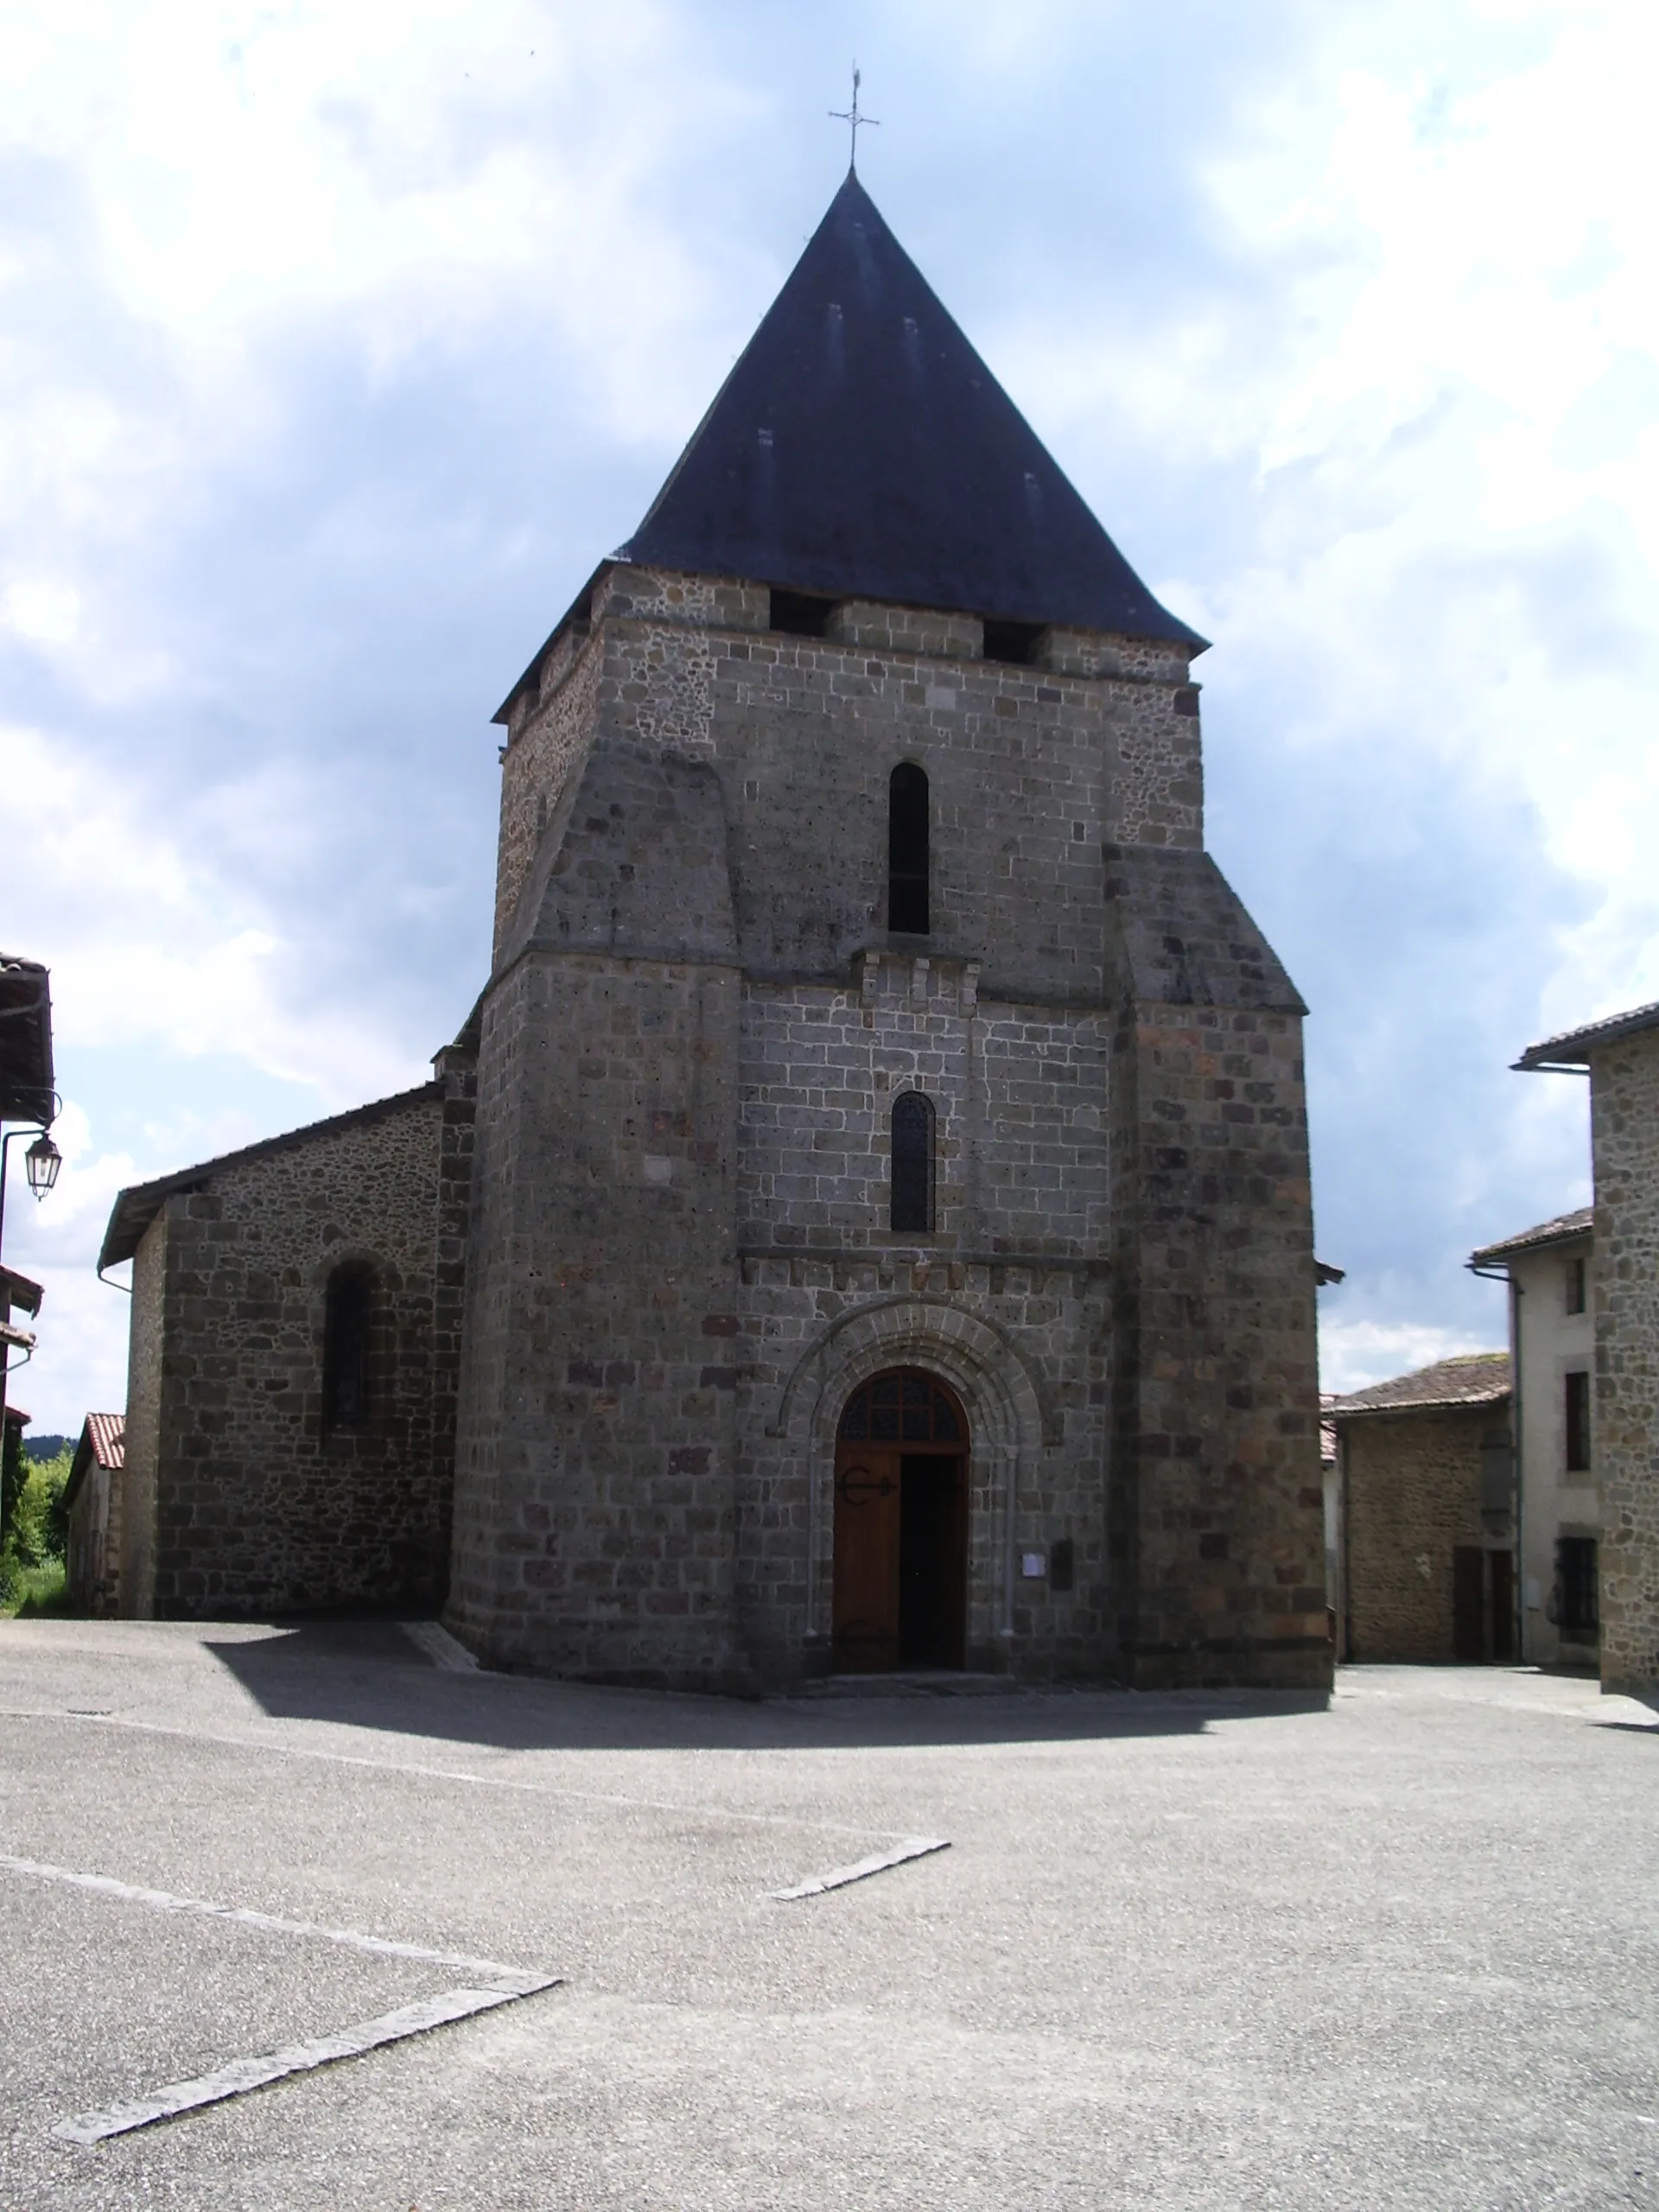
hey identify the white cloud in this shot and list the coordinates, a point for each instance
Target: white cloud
(1396, 337)
(1355, 1354)
(158, 937)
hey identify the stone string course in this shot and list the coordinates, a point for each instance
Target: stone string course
(1624, 1119)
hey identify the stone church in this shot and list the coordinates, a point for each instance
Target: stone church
(864, 1223)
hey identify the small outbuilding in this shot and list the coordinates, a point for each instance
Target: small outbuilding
(1426, 1472)
(93, 1501)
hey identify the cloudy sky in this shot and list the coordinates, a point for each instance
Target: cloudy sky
(337, 339)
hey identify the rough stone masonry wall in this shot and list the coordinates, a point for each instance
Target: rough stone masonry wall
(1625, 1120)
(257, 1505)
(1030, 767)
(1412, 1482)
(594, 1526)
(1217, 1507)
(1033, 771)
(1021, 1192)
(136, 1574)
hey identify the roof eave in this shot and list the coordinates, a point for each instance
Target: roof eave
(1340, 1413)
(1569, 1053)
(137, 1207)
(503, 714)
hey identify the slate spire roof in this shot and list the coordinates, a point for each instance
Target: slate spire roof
(860, 448)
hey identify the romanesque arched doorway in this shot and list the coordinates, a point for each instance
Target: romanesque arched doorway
(901, 1525)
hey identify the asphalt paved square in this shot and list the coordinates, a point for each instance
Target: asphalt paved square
(1183, 1950)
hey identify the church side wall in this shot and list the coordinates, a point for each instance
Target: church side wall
(260, 1506)
(1624, 1123)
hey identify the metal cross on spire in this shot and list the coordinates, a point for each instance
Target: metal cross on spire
(851, 117)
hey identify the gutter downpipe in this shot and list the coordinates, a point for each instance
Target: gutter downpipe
(1506, 1274)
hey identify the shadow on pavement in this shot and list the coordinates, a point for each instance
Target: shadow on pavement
(369, 1675)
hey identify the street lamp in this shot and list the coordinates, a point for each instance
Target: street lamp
(42, 1162)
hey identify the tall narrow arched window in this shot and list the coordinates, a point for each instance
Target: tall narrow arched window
(912, 1162)
(347, 1317)
(908, 814)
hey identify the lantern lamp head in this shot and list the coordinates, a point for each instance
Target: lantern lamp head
(42, 1161)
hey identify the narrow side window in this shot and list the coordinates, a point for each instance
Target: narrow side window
(912, 1163)
(907, 813)
(347, 1315)
(1576, 1422)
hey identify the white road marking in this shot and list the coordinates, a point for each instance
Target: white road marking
(513, 1981)
(440, 1648)
(916, 1846)
(712, 1812)
(244, 2074)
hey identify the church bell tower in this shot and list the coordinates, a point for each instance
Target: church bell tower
(892, 1239)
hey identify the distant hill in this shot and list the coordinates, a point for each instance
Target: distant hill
(48, 1447)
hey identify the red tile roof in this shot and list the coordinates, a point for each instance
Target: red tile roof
(107, 1434)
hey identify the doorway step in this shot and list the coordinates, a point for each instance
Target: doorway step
(916, 1681)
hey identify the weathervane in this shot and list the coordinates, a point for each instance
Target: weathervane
(852, 117)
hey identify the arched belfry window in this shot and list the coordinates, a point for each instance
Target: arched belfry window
(912, 1162)
(907, 818)
(348, 1314)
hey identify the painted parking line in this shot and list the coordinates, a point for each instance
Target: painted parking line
(506, 1978)
(916, 1846)
(265, 1746)
(243, 2074)
(490, 1984)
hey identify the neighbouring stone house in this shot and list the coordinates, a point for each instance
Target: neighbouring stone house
(1426, 1472)
(92, 1502)
(1550, 1272)
(889, 1239)
(1620, 1054)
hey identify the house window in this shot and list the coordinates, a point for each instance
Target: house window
(1578, 1600)
(912, 1163)
(907, 825)
(1577, 1404)
(348, 1314)
(1575, 1288)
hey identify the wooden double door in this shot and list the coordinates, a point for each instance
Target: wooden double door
(901, 1526)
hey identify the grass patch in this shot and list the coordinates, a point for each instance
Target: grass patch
(27, 1593)
(33, 1574)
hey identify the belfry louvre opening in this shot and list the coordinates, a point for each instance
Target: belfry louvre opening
(907, 854)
